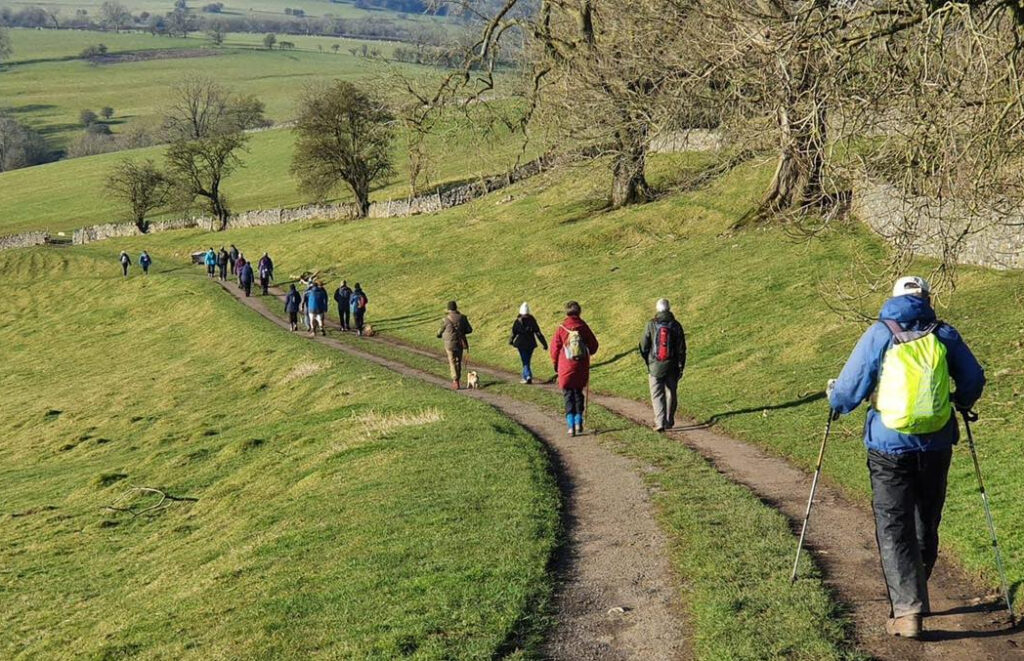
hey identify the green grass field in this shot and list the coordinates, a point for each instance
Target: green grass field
(762, 337)
(47, 91)
(341, 510)
(69, 194)
(254, 8)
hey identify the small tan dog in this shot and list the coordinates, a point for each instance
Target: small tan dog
(473, 380)
(368, 330)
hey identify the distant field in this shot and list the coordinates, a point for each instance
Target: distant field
(342, 511)
(264, 8)
(50, 94)
(69, 194)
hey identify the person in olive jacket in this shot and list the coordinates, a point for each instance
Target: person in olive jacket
(526, 334)
(663, 348)
(454, 329)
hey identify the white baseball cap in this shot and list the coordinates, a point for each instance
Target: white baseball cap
(524, 308)
(911, 284)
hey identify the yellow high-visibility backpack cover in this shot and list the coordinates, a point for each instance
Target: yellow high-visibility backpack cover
(913, 388)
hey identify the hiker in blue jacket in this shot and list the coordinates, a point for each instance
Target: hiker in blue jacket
(321, 304)
(145, 261)
(357, 306)
(245, 278)
(211, 262)
(909, 433)
(314, 303)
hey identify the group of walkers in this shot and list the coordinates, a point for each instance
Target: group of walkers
(314, 306)
(145, 261)
(903, 367)
(220, 263)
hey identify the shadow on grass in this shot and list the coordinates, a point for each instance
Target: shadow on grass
(718, 417)
(616, 358)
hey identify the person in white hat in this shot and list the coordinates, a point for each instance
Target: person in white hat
(663, 348)
(903, 365)
(526, 334)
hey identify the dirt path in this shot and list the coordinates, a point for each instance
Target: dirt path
(615, 556)
(966, 624)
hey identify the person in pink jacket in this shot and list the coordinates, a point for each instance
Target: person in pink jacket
(571, 347)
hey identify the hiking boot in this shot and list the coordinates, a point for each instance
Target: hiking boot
(524, 381)
(455, 385)
(529, 381)
(659, 428)
(906, 626)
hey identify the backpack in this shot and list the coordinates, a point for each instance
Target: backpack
(913, 388)
(663, 342)
(575, 348)
(357, 301)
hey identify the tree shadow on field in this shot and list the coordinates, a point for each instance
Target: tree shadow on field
(807, 399)
(28, 107)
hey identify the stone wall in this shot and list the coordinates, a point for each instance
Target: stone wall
(923, 227)
(24, 240)
(443, 198)
(689, 140)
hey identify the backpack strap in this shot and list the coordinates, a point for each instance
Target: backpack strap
(900, 336)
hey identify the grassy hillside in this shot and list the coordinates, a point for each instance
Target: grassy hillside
(47, 91)
(69, 194)
(763, 339)
(340, 510)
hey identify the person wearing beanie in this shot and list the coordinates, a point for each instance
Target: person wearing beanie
(357, 307)
(572, 345)
(663, 349)
(292, 303)
(454, 329)
(526, 334)
(902, 366)
(341, 297)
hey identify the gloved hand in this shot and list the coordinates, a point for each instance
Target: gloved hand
(830, 387)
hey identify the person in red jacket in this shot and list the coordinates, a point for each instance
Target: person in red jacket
(571, 348)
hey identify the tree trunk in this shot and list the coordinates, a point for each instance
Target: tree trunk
(361, 190)
(629, 183)
(797, 182)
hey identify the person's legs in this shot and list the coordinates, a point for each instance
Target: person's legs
(526, 355)
(657, 388)
(581, 408)
(454, 366)
(359, 321)
(569, 396)
(248, 289)
(264, 282)
(343, 316)
(671, 382)
(124, 269)
(930, 495)
(893, 481)
(320, 321)
(293, 319)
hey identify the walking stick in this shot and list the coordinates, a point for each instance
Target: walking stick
(810, 499)
(969, 417)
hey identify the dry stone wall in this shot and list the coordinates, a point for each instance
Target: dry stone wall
(24, 240)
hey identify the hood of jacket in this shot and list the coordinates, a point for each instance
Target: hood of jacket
(573, 322)
(665, 317)
(910, 311)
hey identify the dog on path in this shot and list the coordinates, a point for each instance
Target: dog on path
(473, 380)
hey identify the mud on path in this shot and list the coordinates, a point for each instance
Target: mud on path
(967, 622)
(615, 556)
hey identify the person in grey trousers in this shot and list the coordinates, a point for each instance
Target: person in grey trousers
(663, 348)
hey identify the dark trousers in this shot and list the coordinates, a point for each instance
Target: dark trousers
(145, 269)
(908, 492)
(293, 319)
(575, 402)
(247, 286)
(223, 271)
(526, 355)
(231, 265)
(124, 268)
(359, 314)
(264, 283)
(209, 269)
(344, 316)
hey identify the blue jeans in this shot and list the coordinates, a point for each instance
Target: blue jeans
(526, 354)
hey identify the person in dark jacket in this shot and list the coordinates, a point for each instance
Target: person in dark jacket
(222, 263)
(454, 328)
(292, 301)
(233, 256)
(145, 261)
(525, 336)
(341, 297)
(572, 345)
(357, 306)
(908, 469)
(322, 304)
(663, 348)
(266, 271)
(239, 263)
(245, 277)
(126, 261)
(211, 262)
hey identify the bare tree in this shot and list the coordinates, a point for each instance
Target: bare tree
(201, 108)
(113, 15)
(344, 137)
(141, 187)
(198, 168)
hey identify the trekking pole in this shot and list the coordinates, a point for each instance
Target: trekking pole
(810, 499)
(969, 417)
